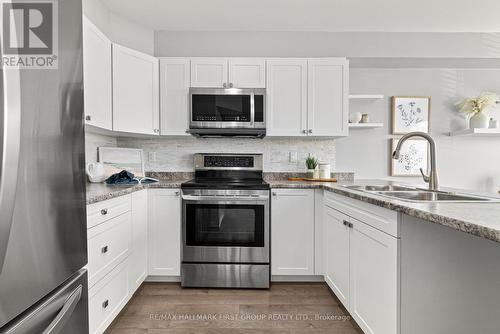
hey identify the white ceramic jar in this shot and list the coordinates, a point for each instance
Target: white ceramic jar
(325, 170)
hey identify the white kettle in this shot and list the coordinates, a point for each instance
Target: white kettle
(95, 172)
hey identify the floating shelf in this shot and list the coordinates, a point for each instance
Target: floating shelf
(365, 125)
(476, 132)
(365, 96)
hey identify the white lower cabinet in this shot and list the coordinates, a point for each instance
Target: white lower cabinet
(164, 232)
(139, 253)
(337, 254)
(362, 266)
(373, 292)
(292, 232)
(107, 298)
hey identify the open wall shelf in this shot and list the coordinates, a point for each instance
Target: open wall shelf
(365, 96)
(365, 125)
(477, 132)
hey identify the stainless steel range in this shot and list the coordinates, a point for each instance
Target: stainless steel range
(225, 223)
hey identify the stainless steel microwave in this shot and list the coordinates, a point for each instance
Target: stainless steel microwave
(227, 112)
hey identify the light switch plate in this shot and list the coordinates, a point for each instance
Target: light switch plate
(292, 157)
(152, 156)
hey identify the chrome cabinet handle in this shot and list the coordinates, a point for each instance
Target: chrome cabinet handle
(105, 303)
(156, 130)
(104, 212)
(350, 225)
(224, 85)
(310, 131)
(275, 194)
(231, 85)
(177, 193)
(304, 131)
(88, 118)
(346, 223)
(104, 249)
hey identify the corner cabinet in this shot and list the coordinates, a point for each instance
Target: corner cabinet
(292, 232)
(97, 84)
(362, 261)
(164, 232)
(174, 96)
(307, 97)
(135, 92)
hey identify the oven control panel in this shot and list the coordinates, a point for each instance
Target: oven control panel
(228, 161)
(225, 161)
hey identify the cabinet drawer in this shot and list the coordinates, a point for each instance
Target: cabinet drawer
(108, 244)
(107, 298)
(383, 219)
(98, 213)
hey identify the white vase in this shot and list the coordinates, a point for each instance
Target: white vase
(479, 120)
(355, 117)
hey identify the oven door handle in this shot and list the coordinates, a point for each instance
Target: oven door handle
(238, 198)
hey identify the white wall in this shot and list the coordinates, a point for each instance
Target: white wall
(469, 163)
(117, 29)
(326, 44)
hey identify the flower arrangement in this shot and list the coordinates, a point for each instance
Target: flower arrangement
(474, 105)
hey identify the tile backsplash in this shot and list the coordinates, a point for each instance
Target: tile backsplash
(176, 153)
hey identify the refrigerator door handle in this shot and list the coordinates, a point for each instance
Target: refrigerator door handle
(65, 314)
(10, 138)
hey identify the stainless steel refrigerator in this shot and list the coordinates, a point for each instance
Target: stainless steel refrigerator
(43, 286)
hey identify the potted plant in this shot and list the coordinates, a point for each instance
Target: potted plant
(476, 107)
(311, 164)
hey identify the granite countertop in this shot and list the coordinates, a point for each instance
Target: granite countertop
(480, 219)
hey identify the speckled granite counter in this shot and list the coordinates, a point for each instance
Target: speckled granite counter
(97, 192)
(480, 219)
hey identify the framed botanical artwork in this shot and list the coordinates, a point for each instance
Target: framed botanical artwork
(413, 156)
(410, 114)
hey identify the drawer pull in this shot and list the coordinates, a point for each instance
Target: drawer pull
(104, 212)
(104, 250)
(346, 223)
(105, 303)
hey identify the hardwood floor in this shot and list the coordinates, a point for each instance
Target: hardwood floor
(286, 308)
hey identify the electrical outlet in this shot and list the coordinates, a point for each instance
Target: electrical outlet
(292, 157)
(152, 156)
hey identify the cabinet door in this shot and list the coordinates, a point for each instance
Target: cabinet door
(97, 77)
(247, 73)
(138, 263)
(337, 253)
(209, 72)
(292, 232)
(164, 232)
(286, 97)
(135, 92)
(374, 279)
(328, 97)
(174, 96)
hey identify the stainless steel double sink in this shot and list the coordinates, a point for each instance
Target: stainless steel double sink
(414, 194)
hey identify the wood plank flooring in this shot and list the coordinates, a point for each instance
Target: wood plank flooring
(286, 308)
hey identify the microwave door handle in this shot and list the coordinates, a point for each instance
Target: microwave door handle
(252, 109)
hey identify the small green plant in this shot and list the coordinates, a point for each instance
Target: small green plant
(311, 162)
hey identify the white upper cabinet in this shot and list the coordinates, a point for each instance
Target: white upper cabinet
(208, 72)
(174, 96)
(228, 72)
(307, 97)
(97, 77)
(292, 232)
(135, 92)
(328, 97)
(247, 72)
(286, 97)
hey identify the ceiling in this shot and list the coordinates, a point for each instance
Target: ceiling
(313, 15)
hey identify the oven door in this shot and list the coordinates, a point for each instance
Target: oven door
(215, 108)
(225, 226)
